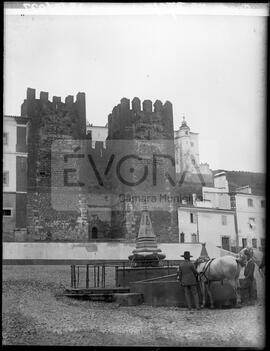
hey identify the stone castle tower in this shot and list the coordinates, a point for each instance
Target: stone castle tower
(50, 121)
(144, 131)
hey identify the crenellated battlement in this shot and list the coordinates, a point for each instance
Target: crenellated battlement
(69, 116)
(56, 100)
(126, 120)
(146, 106)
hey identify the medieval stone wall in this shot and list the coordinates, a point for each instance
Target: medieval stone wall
(50, 121)
(147, 130)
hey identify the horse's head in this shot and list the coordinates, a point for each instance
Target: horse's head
(244, 255)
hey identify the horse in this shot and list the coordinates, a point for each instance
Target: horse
(217, 269)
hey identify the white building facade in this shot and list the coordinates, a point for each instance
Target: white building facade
(15, 133)
(218, 195)
(250, 217)
(247, 209)
(206, 224)
(97, 133)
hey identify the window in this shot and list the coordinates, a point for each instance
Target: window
(192, 218)
(250, 203)
(89, 133)
(21, 135)
(233, 203)
(263, 223)
(7, 212)
(224, 220)
(186, 132)
(263, 203)
(6, 178)
(182, 237)
(244, 242)
(225, 243)
(254, 243)
(263, 243)
(193, 238)
(5, 138)
(191, 143)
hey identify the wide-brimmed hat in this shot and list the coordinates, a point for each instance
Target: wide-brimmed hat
(186, 254)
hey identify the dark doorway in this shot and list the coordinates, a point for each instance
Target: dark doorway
(244, 242)
(94, 233)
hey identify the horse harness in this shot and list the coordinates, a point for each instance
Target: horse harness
(205, 268)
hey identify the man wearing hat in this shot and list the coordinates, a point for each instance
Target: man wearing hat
(187, 275)
(249, 278)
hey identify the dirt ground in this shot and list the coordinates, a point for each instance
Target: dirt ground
(33, 314)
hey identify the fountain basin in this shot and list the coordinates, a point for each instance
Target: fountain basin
(167, 291)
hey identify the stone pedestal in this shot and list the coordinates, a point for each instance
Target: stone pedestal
(147, 253)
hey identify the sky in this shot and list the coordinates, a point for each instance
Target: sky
(212, 68)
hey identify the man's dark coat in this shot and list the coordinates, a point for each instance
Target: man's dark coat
(249, 270)
(187, 273)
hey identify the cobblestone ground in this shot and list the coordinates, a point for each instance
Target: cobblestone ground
(34, 315)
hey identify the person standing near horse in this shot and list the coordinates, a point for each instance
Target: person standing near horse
(249, 278)
(262, 265)
(187, 275)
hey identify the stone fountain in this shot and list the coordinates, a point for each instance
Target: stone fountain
(146, 253)
(145, 261)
